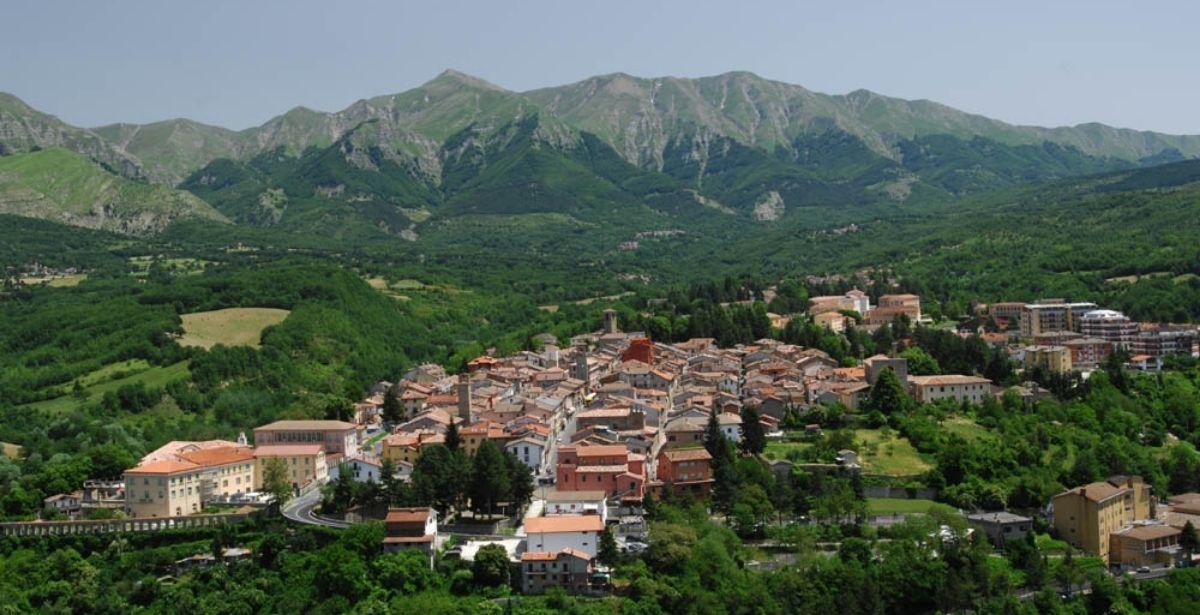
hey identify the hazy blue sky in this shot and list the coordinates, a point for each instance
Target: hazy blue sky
(238, 63)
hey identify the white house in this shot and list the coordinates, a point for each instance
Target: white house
(731, 426)
(581, 532)
(529, 451)
(560, 503)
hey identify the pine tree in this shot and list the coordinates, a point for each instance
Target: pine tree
(724, 480)
(754, 440)
(489, 477)
(520, 482)
(714, 440)
(453, 440)
(607, 552)
(1188, 539)
(275, 481)
(393, 412)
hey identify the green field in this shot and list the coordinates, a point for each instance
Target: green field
(231, 326)
(59, 281)
(101, 381)
(779, 449)
(896, 506)
(893, 456)
(965, 428)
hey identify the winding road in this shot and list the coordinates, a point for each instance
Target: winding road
(302, 510)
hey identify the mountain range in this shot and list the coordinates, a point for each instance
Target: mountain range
(734, 146)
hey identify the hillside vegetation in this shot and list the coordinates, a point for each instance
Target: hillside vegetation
(60, 185)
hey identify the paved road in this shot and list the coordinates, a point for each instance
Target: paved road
(301, 510)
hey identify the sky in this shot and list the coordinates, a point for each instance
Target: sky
(239, 63)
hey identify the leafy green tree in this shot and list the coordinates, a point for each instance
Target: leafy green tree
(887, 394)
(275, 481)
(491, 567)
(405, 572)
(919, 362)
(439, 477)
(754, 439)
(339, 572)
(395, 492)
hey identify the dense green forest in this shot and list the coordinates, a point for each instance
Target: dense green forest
(694, 565)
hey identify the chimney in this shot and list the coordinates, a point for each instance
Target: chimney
(610, 321)
(464, 398)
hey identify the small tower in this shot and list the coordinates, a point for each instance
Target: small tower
(241, 438)
(580, 369)
(610, 321)
(464, 398)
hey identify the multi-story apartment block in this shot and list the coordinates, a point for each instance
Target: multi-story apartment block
(1109, 325)
(1053, 315)
(1052, 359)
(1086, 516)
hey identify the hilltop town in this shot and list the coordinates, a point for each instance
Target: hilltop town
(576, 439)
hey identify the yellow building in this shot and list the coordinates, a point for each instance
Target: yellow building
(1086, 516)
(406, 447)
(162, 489)
(180, 482)
(224, 471)
(1052, 359)
(305, 463)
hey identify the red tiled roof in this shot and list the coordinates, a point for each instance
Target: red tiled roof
(567, 523)
(163, 467)
(408, 515)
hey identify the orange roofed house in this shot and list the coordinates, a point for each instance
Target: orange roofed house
(685, 470)
(579, 532)
(609, 468)
(411, 528)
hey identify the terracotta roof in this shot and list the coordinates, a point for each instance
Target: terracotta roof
(1096, 491)
(391, 540)
(686, 454)
(601, 469)
(574, 496)
(604, 413)
(1149, 532)
(166, 466)
(307, 426)
(947, 379)
(600, 451)
(549, 556)
(171, 449)
(567, 523)
(287, 450)
(408, 515)
(218, 456)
